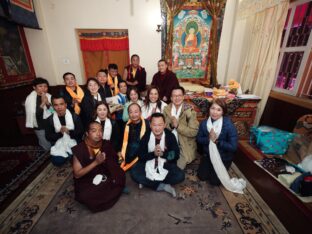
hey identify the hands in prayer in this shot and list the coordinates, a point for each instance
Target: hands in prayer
(158, 152)
(174, 122)
(213, 135)
(100, 158)
(44, 100)
(64, 129)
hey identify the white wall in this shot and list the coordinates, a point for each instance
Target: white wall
(57, 41)
(59, 19)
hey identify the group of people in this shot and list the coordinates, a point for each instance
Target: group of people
(153, 139)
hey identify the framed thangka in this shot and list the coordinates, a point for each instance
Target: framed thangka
(16, 67)
(191, 33)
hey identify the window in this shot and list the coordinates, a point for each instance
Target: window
(293, 75)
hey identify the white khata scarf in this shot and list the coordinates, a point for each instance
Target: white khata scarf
(154, 168)
(63, 145)
(234, 185)
(176, 113)
(107, 128)
(30, 106)
(147, 111)
(97, 97)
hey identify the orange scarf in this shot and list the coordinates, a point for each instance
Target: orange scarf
(115, 82)
(94, 149)
(78, 96)
(123, 165)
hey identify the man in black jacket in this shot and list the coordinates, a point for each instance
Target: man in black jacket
(158, 154)
(60, 123)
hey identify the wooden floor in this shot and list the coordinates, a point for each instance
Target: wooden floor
(295, 215)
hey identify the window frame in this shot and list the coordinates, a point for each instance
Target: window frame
(283, 49)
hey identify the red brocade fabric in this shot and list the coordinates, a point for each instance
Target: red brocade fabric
(101, 44)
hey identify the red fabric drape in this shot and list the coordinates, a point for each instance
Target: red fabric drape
(101, 44)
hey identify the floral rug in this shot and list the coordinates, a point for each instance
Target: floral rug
(49, 207)
(17, 166)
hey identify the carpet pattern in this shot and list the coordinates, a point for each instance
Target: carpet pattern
(17, 164)
(49, 207)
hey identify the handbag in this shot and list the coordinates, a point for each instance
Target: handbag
(271, 140)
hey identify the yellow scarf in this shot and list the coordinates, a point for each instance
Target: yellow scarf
(110, 82)
(123, 165)
(79, 96)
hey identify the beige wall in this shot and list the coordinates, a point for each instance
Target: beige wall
(55, 49)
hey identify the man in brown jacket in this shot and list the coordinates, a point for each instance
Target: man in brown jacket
(181, 120)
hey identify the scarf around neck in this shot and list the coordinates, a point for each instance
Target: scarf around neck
(107, 130)
(79, 96)
(176, 113)
(234, 185)
(123, 165)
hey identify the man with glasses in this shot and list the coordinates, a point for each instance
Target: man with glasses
(182, 121)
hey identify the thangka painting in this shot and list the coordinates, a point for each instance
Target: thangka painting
(15, 62)
(191, 42)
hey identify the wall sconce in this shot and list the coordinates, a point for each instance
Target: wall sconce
(158, 28)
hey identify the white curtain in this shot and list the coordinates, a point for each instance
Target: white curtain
(248, 8)
(259, 66)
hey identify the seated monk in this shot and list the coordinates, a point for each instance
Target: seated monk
(165, 80)
(158, 154)
(98, 179)
(134, 74)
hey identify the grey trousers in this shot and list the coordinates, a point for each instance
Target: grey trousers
(43, 142)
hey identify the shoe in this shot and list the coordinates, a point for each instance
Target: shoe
(141, 186)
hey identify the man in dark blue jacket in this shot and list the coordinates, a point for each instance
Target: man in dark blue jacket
(157, 146)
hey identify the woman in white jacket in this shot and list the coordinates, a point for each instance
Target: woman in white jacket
(152, 103)
(37, 106)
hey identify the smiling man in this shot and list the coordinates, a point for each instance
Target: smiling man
(158, 154)
(181, 120)
(62, 122)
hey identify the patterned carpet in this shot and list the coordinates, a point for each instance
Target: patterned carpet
(47, 206)
(18, 166)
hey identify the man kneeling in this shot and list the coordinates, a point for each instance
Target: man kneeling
(158, 154)
(99, 181)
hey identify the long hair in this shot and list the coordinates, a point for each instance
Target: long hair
(147, 101)
(95, 110)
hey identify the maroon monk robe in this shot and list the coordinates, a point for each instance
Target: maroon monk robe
(140, 76)
(165, 83)
(106, 194)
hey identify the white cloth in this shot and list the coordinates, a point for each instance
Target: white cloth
(147, 111)
(158, 173)
(68, 119)
(234, 185)
(108, 128)
(30, 108)
(151, 142)
(97, 97)
(63, 146)
(176, 113)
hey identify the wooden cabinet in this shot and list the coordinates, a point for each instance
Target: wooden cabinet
(241, 111)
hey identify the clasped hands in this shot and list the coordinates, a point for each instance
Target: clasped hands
(213, 136)
(158, 151)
